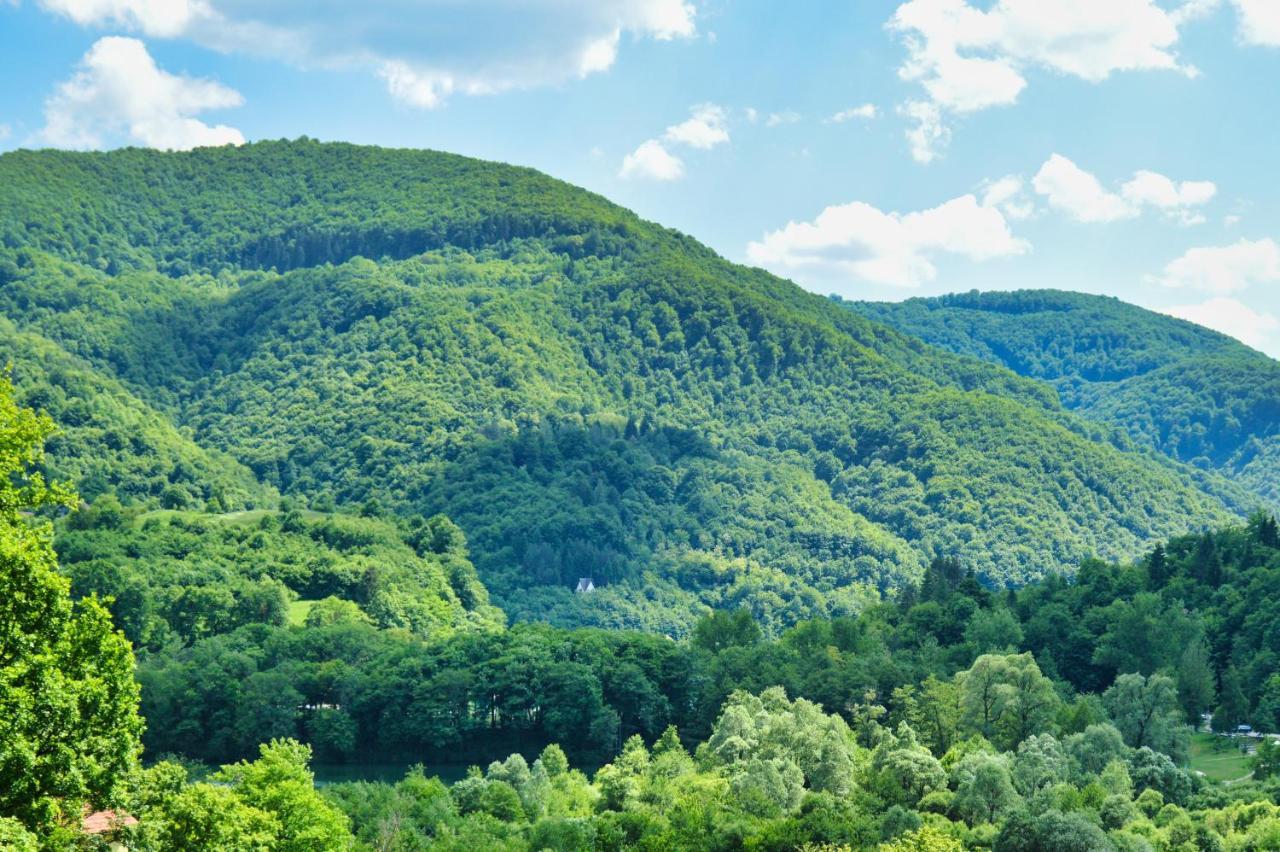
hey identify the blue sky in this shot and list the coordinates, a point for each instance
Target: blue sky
(1124, 147)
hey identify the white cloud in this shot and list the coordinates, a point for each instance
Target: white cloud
(162, 18)
(1175, 199)
(1071, 189)
(425, 50)
(1008, 195)
(426, 91)
(1259, 21)
(865, 112)
(1080, 194)
(855, 242)
(968, 59)
(5, 132)
(752, 114)
(118, 94)
(706, 128)
(1225, 269)
(778, 118)
(652, 160)
(1231, 316)
(927, 135)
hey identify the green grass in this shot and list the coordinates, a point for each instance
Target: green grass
(1218, 758)
(298, 611)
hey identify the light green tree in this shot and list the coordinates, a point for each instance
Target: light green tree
(933, 711)
(1039, 763)
(984, 787)
(69, 727)
(1005, 698)
(281, 784)
(1147, 713)
(903, 771)
(1095, 747)
(207, 816)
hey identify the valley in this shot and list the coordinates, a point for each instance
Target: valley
(309, 449)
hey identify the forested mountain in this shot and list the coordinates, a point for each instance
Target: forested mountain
(1044, 719)
(1191, 393)
(584, 393)
(320, 400)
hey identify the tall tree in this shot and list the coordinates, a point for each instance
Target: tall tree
(1006, 698)
(1147, 713)
(1158, 568)
(69, 726)
(1196, 691)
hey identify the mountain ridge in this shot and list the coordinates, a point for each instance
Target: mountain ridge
(591, 394)
(1194, 394)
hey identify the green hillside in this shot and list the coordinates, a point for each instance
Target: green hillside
(1191, 393)
(583, 392)
(176, 577)
(110, 441)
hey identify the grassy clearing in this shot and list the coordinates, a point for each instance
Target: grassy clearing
(298, 611)
(1218, 758)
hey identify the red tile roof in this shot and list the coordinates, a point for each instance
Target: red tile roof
(103, 822)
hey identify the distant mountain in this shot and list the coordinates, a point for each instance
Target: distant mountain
(1193, 394)
(584, 393)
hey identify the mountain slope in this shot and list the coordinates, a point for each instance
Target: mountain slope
(1194, 394)
(586, 393)
(108, 440)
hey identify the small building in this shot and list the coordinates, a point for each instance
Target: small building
(107, 825)
(585, 585)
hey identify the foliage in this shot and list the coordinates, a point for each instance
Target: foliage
(584, 393)
(1191, 393)
(68, 701)
(187, 576)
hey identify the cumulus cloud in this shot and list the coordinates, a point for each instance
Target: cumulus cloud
(1225, 269)
(1231, 316)
(865, 112)
(1259, 21)
(779, 118)
(163, 18)
(706, 128)
(857, 242)
(424, 50)
(652, 160)
(1009, 196)
(968, 59)
(926, 134)
(1151, 189)
(1080, 194)
(119, 94)
(1071, 189)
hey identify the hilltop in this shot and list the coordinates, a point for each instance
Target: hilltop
(1193, 394)
(584, 393)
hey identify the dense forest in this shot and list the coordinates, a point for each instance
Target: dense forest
(314, 456)
(1055, 717)
(585, 394)
(1191, 393)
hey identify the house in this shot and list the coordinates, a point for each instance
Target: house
(107, 825)
(585, 585)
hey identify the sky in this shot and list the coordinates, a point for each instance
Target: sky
(876, 149)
